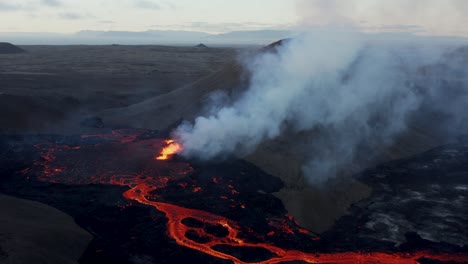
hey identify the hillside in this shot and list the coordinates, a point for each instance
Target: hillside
(8, 48)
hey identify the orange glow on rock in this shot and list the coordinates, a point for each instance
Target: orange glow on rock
(172, 148)
(141, 186)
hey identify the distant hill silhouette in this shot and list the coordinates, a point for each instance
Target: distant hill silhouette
(8, 48)
(201, 45)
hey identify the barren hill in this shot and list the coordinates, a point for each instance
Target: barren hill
(8, 48)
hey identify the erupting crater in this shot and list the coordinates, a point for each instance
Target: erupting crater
(171, 149)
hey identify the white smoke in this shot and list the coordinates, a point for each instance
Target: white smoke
(356, 89)
(428, 17)
(279, 83)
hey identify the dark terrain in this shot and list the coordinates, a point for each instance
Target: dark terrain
(77, 175)
(67, 100)
(8, 48)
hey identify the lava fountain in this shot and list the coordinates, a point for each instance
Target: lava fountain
(171, 149)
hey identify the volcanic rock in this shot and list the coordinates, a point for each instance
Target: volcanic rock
(165, 108)
(53, 88)
(315, 208)
(416, 210)
(92, 121)
(58, 240)
(187, 102)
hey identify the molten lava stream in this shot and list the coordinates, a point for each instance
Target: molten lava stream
(141, 188)
(177, 231)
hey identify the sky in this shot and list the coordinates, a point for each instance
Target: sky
(213, 16)
(427, 17)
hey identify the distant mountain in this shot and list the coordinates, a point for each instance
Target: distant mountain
(235, 37)
(255, 36)
(191, 38)
(163, 34)
(167, 37)
(8, 48)
(201, 46)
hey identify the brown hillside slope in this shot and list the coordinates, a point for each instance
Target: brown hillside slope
(185, 103)
(50, 89)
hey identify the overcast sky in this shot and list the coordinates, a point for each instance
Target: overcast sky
(139, 15)
(431, 17)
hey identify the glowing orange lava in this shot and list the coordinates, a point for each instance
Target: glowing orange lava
(142, 185)
(177, 230)
(172, 148)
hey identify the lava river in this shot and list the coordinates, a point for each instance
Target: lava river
(124, 158)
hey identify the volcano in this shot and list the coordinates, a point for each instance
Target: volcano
(139, 208)
(286, 160)
(140, 202)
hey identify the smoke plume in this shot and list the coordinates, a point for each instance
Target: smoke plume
(429, 17)
(359, 92)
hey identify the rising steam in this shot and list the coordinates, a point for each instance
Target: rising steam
(360, 94)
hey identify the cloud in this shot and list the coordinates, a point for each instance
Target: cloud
(224, 27)
(147, 4)
(6, 7)
(52, 3)
(437, 17)
(170, 5)
(73, 16)
(107, 22)
(399, 28)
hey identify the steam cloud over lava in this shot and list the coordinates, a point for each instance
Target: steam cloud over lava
(360, 92)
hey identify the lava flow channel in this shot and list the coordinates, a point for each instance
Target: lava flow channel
(142, 183)
(178, 231)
